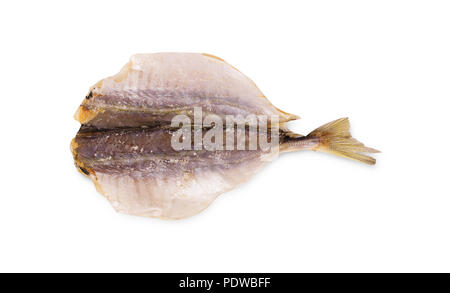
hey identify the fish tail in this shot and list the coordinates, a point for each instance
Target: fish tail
(335, 138)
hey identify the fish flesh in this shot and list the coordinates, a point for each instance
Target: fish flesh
(172, 131)
(153, 88)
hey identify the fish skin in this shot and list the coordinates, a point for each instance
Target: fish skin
(153, 88)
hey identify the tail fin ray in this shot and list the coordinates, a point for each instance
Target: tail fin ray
(335, 138)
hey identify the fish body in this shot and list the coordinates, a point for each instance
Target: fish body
(130, 147)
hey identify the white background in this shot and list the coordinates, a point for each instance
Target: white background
(384, 64)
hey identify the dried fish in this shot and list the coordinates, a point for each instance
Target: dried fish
(145, 148)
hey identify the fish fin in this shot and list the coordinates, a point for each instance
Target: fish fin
(335, 138)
